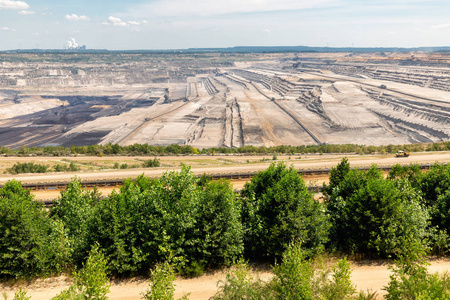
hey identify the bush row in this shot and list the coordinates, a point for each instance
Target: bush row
(202, 224)
(31, 167)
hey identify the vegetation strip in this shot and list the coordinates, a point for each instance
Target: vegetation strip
(183, 224)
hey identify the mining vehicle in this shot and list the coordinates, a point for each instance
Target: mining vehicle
(402, 153)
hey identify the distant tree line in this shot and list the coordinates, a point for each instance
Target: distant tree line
(151, 150)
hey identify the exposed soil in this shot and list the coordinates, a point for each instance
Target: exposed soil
(367, 275)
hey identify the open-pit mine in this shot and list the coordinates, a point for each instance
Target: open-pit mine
(223, 100)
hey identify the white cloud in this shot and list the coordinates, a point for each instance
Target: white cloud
(5, 28)
(267, 30)
(221, 7)
(9, 4)
(118, 22)
(74, 17)
(441, 26)
(26, 12)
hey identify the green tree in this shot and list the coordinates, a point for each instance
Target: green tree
(336, 176)
(277, 209)
(31, 243)
(372, 215)
(434, 183)
(220, 227)
(412, 173)
(76, 208)
(177, 215)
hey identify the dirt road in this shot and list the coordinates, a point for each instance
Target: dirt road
(367, 276)
(309, 162)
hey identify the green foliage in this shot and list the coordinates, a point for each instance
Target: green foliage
(219, 224)
(337, 175)
(161, 285)
(338, 286)
(31, 243)
(435, 188)
(151, 163)
(277, 209)
(241, 284)
(72, 167)
(76, 208)
(91, 282)
(294, 275)
(21, 294)
(435, 183)
(150, 220)
(410, 279)
(18, 168)
(371, 215)
(295, 278)
(93, 277)
(366, 295)
(412, 173)
(145, 149)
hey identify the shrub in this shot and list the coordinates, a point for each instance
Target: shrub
(338, 286)
(150, 220)
(410, 279)
(412, 173)
(21, 294)
(277, 209)
(219, 225)
(434, 183)
(76, 208)
(151, 163)
(372, 215)
(31, 243)
(294, 275)
(65, 168)
(295, 278)
(336, 176)
(161, 285)
(91, 282)
(18, 168)
(93, 276)
(241, 284)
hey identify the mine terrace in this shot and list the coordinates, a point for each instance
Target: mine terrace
(223, 99)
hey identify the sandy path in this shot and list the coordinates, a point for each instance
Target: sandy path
(329, 161)
(367, 276)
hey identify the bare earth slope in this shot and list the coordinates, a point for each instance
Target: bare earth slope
(214, 100)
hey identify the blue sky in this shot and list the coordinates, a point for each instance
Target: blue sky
(175, 24)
